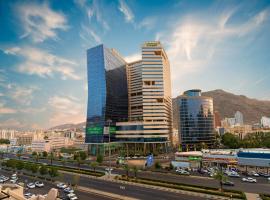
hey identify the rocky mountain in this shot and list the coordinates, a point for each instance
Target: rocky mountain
(79, 126)
(227, 104)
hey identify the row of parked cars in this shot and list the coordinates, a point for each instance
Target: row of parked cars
(69, 191)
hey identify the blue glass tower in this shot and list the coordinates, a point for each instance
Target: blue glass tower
(196, 119)
(107, 93)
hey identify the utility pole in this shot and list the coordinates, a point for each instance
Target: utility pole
(109, 122)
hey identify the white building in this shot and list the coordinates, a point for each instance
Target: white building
(41, 145)
(265, 122)
(53, 143)
(7, 134)
(239, 119)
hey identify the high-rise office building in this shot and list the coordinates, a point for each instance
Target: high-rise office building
(136, 97)
(196, 120)
(150, 103)
(107, 93)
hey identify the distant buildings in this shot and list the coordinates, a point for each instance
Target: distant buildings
(265, 122)
(196, 120)
(7, 134)
(239, 119)
(133, 99)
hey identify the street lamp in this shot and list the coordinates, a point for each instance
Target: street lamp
(109, 123)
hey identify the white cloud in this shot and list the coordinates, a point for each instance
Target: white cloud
(133, 57)
(67, 109)
(92, 9)
(40, 22)
(87, 33)
(194, 40)
(148, 23)
(127, 12)
(11, 123)
(22, 94)
(42, 63)
(6, 110)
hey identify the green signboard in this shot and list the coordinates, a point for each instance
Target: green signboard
(194, 158)
(94, 130)
(112, 129)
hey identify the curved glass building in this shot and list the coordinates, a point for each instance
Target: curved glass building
(196, 120)
(107, 93)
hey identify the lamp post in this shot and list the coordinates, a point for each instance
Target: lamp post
(109, 123)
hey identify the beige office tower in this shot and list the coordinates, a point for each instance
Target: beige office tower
(150, 103)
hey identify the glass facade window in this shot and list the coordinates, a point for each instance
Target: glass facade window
(196, 119)
(107, 92)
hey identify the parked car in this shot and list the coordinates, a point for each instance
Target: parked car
(39, 184)
(268, 178)
(61, 185)
(233, 174)
(183, 172)
(68, 190)
(249, 180)
(31, 185)
(253, 173)
(264, 174)
(228, 183)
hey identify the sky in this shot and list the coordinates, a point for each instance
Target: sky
(219, 44)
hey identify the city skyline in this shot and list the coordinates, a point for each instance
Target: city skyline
(43, 73)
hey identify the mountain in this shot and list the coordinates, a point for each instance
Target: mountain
(79, 126)
(227, 104)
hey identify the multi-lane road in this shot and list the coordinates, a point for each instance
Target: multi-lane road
(262, 186)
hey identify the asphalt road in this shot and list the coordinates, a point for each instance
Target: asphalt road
(49, 185)
(262, 185)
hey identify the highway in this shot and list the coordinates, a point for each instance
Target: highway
(262, 186)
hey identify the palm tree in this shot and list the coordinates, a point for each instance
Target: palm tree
(221, 178)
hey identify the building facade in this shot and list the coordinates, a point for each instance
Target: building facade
(196, 120)
(239, 119)
(150, 103)
(265, 122)
(107, 93)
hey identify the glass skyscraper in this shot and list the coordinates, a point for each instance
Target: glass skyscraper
(196, 120)
(107, 93)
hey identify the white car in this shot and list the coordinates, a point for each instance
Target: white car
(73, 198)
(253, 173)
(39, 184)
(249, 180)
(268, 178)
(61, 185)
(28, 194)
(13, 181)
(68, 190)
(233, 174)
(31, 185)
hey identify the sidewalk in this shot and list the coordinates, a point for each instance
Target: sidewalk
(252, 196)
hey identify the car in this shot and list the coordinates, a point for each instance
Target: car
(31, 185)
(233, 174)
(13, 181)
(183, 172)
(39, 184)
(268, 178)
(61, 185)
(253, 173)
(2, 181)
(73, 198)
(28, 194)
(249, 180)
(68, 190)
(264, 174)
(228, 183)
(70, 195)
(108, 169)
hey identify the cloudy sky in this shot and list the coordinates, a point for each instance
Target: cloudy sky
(210, 44)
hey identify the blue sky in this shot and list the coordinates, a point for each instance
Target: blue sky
(211, 45)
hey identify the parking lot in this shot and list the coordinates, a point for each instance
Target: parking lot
(47, 186)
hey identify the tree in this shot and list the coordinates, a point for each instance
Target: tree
(44, 154)
(34, 168)
(99, 158)
(230, 141)
(157, 165)
(135, 170)
(51, 157)
(19, 155)
(20, 165)
(4, 141)
(94, 165)
(83, 155)
(43, 170)
(221, 178)
(126, 168)
(63, 162)
(53, 172)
